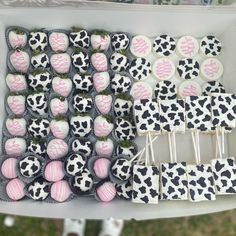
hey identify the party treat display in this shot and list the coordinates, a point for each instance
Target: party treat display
(62, 85)
(80, 61)
(99, 61)
(84, 146)
(165, 90)
(126, 148)
(60, 191)
(106, 191)
(164, 45)
(79, 38)
(54, 171)
(19, 60)
(141, 90)
(57, 148)
(16, 82)
(103, 126)
(101, 81)
(58, 41)
(188, 68)
(119, 62)
(120, 84)
(123, 105)
(163, 69)
(15, 189)
(100, 40)
(210, 46)
(38, 128)
(38, 147)
(83, 83)
(61, 62)
(15, 147)
(40, 60)
(211, 69)
(124, 191)
(40, 80)
(8, 168)
(212, 87)
(59, 127)
(17, 37)
(140, 69)
(38, 40)
(74, 164)
(101, 167)
(16, 104)
(104, 147)
(189, 88)
(140, 46)
(119, 41)
(187, 46)
(16, 126)
(103, 103)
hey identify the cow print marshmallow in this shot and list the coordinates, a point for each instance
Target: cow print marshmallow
(165, 90)
(164, 45)
(140, 69)
(188, 68)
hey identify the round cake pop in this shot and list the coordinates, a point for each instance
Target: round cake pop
(60, 191)
(75, 164)
(15, 189)
(124, 191)
(8, 168)
(106, 191)
(101, 167)
(54, 171)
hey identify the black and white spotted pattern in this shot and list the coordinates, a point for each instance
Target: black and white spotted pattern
(124, 129)
(42, 81)
(84, 146)
(124, 191)
(212, 87)
(140, 69)
(40, 61)
(38, 190)
(122, 169)
(38, 41)
(120, 84)
(145, 184)
(122, 107)
(80, 39)
(75, 164)
(82, 103)
(147, 116)
(200, 182)
(37, 147)
(38, 128)
(119, 62)
(81, 126)
(165, 90)
(80, 61)
(174, 182)
(38, 103)
(83, 83)
(224, 173)
(164, 45)
(198, 113)
(210, 46)
(223, 110)
(188, 68)
(172, 115)
(30, 166)
(123, 150)
(119, 41)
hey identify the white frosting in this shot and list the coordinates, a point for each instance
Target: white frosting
(187, 46)
(189, 88)
(140, 46)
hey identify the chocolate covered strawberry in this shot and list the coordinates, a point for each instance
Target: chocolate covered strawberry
(119, 62)
(99, 61)
(82, 103)
(100, 40)
(16, 126)
(16, 103)
(126, 148)
(62, 85)
(38, 147)
(101, 81)
(103, 102)
(40, 60)
(38, 127)
(40, 80)
(83, 83)
(123, 105)
(16, 82)
(61, 62)
(59, 106)
(38, 40)
(17, 38)
(120, 83)
(79, 38)
(119, 41)
(59, 127)
(80, 61)
(20, 60)
(58, 41)
(103, 126)
(104, 147)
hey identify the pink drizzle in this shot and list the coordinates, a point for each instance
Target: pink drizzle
(102, 129)
(18, 41)
(101, 43)
(13, 148)
(103, 103)
(100, 82)
(104, 150)
(140, 92)
(15, 128)
(140, 45)
(16, 83)
(164, 69)
(20, 61)
(99, 61)
(57, 148)
(61, 63)
(187, 46)
(56, 131)
(58, 42)
(189, 90)
(16, 105)
(59, 107)
(61, 87)
(211, 69)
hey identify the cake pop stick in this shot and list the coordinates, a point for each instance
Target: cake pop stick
(151, 148)
(170, 148)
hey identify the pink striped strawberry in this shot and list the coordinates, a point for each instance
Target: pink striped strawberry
(99, 61)
(103, 102)
(101, 81)
(104, 147)
(59, 106)
(100, 40)
(103, 126)
(17, 38)
(61, 62)
(16, 103)
(20, 60)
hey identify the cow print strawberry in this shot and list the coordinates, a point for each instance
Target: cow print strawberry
(82, 103)
(37, 147)
(75, 164)
(38, 128)
(212, 87)
(129, 151)
(30, 166)
(41, 81)
(119, 41)
(38, 104)
(38, 41)
(210, 46)
(119, 62)
(80, 39)
(122, 107)
(120, 83)
(124, 191)
(40, 61)
(80, 61)
(83, 83)
(84, 146)
(188, 68)
(165, 90)
(140, 69)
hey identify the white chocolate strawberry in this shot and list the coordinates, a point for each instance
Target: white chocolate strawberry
(16, 126)
(104, 147)
(103, 103)
(40, 80)
(16, 103)
(81, 125)
(101, 81)
(40, 60)
(59, 128)
(59, 106)
(20, 60)
(103, 126)
(37, 103)
(17, 38)
(59, 42)
(100, 40)
(16, 83)
(61, 62)
(15, 147)
(99, 61)
(62, 85)
(57, 148)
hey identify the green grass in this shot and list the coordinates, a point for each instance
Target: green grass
(218, 224)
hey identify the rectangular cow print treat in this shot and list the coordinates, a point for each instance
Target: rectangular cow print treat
(223, 110)
(147, 117)
(224, 173)
(145, 184)
(198, 113)
(172, 115)
(200, 183)
(174, 181)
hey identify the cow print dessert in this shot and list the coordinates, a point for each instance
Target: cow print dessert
(37, 103)
(124, 129)
(38, 190)
(74, 164)
(188, 68)
(41, 80)
(210, 46)
(140, 69)
(123, 105)
(124, 191)
(120, 83)
(37, 147)
(38, 127)
(80, 61)
(145, 184)
(84, 146)
(212, 87)
(82, 103)
(147, 117)
(200, 183)
(165, 90)
(164, 45)
(83, 83)
(119, 41)
(38, 41)
(40, 60)
(126, 148)
(174, 184)
(79, 38)
(30, 166)
(119, 62)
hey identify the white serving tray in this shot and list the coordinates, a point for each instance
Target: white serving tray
(136, 19)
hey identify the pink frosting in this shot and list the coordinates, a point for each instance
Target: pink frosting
(15, 189)
(16, 83)
(18, 40)
(59, 107)
(100, 81)
(57, 148)
(15, 146)
(58, 42)
(99, 61)
(60, 191)
(103, 103)
(100, 42)
(106, 192)
(141, 91)
(102, 129)
(140, 45)
(15, 127)
(61, 87)
(16, 104)
(8, 168)
(54, 171)
(101, 167)
(61, 63)
(57, 130)
(20, 61)
(104, 149)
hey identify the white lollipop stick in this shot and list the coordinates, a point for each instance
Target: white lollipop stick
(174, 142)
(195, 148)
(141, 155)
(198, 147)
(223, 140)
(151, 148)
(170, 148)
(218, 144)
(147, 151)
